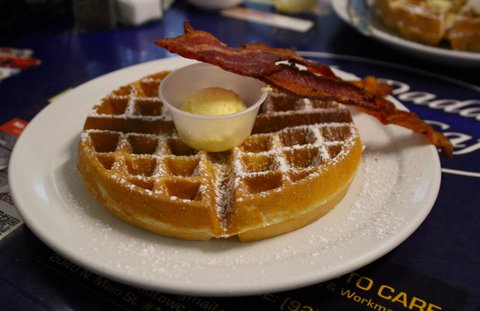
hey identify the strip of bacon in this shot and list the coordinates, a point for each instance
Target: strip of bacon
(286, 70)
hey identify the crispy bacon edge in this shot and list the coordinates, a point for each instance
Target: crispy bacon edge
(287, 71)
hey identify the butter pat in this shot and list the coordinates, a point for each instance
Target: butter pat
(214, 101)
(207, 116)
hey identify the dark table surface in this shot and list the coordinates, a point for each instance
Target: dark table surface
(440, 258)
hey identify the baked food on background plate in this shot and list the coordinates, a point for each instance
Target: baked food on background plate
(451, 23)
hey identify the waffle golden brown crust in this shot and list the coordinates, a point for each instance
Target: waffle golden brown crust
(293, 169)
(432, 22)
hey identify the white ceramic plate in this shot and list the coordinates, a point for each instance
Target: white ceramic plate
(394, 190)
(440, 54)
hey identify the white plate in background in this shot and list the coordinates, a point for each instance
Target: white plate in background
(439, 54)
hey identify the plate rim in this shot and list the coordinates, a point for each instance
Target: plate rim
(17, 191)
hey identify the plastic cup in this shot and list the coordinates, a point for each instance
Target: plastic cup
(204, 132)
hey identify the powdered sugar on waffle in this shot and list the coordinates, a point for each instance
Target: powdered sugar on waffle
(278, 149)
(129, 105)
(131, 110)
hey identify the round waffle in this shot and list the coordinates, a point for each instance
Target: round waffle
(294, 168)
